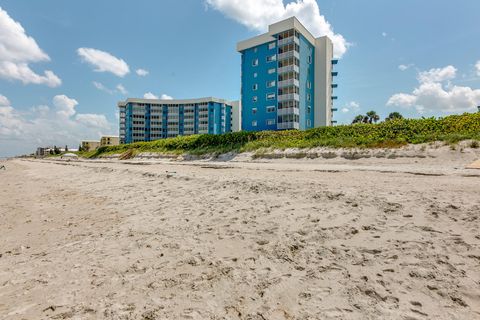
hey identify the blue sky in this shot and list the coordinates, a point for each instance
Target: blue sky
(416, 57)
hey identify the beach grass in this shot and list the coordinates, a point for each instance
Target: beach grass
(388, 134)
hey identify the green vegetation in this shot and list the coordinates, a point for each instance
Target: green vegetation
(393, 133)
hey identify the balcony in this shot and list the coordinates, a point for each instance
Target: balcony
(288, 125)
(334, 85)
(285, 111)
(289, 68)
(288, 96)
(288, 54)
(334, 109)
(334, 97)
(288, 83)
(288, 40)
(335, 61)
(334, 73)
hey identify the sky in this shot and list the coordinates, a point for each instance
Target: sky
(64, 65)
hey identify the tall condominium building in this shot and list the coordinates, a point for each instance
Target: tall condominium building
(287, 79)
(151, 119)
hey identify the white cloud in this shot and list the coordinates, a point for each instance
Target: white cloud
(101, 87)
(404, 67)
(351, 106)
(64, 105)
(149, 95)
(402, 99)
(122, 89)
(166, 97)
(258, 14)
(437, 75)
(21, 132)
(477, 66)
(384, 34)
(142, 72)
(17, 50)
(104, 61)
(432, 95)
(92, 120)
(4, 102)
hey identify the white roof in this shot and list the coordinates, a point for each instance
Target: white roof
(276, 28)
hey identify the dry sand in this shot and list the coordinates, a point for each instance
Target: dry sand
(374, 238)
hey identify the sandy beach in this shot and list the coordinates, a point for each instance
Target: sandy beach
(371, 238)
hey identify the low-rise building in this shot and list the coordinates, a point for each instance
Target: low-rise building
(109, 141)
(89, 145)
(153, 119)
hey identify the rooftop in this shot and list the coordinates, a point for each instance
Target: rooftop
(174, 101)
(273, 29)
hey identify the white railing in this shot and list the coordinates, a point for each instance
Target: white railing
(289, 68)
(292, 110)
(289, 82)
(288, 125)
(288, 54)
(288, 96)
(288, 40)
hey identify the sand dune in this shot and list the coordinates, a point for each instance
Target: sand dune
(374, 238)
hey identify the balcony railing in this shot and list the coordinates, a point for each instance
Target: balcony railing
(289, 68)
(288, 54)
(285, 111)
(334, 109)
(288, 40)
(288, 125)
(289, 82)
(288, 96)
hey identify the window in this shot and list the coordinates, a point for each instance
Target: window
(255, 62)
(254, 99)
(309, 109)
(309, 59)
(271, 45)
(255, 75)
(272, 70)
(309, 123)
(270, 84)
(254, 123)
(270, 122)
(308, 97)
(255, 50)
(255, 87)
(309, 85)
(270, 96)
(272, 58)
(254, 110)
(271, 109)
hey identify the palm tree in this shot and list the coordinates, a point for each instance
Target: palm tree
(393, 116)
(358, 119)
(372, 116)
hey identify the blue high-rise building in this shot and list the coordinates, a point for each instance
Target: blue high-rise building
(286, 80)
(151, 119)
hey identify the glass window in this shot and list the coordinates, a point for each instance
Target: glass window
(271, 45)
(270, 122)
(254, 99)
(255, 87)
(255, 75)
(270, 84)
(255, 62)
(272, 58)
(254, 110)
(271, 109)
(270, 96)
(254, 123)
(272, 70)
(308, 97)
(309, 59)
